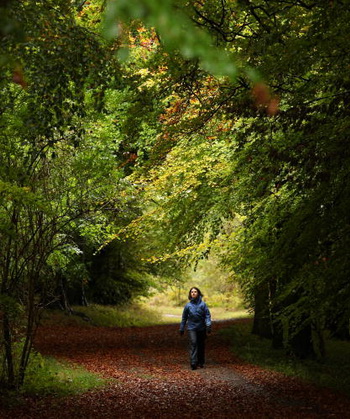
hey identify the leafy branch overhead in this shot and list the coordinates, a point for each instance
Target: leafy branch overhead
(134, 132)
(277, 158)
(176, 31)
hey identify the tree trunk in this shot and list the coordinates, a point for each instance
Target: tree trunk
(84, 300)
(28, 341)
(8, 351)
(301, 343)
(298, 330)
(340, 327)
(262, 322)
(64, 299)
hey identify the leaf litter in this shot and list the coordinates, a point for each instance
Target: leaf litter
(149, 377)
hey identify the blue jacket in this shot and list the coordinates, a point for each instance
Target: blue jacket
(196, 314)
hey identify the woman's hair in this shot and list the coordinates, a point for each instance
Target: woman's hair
(195, 288)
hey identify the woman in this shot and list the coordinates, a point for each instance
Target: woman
(197, 316)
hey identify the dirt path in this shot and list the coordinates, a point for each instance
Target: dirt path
(151, 379)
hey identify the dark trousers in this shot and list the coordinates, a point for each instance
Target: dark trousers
(197, 347)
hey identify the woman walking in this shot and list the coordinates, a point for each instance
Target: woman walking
(197, 316)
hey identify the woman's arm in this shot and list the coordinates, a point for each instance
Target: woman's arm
(184, 318)
(207, 316)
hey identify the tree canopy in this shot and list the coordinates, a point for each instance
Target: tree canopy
(138, 136)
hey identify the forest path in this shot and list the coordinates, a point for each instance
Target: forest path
(150, 378)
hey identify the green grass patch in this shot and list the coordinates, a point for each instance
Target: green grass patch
(172, 314)
(105, 316)
(126, 316)
(333, 371)
(141, 314)
(47, 376)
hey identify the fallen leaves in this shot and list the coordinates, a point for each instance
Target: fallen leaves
(149, 377)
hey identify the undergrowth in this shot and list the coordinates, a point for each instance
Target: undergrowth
(333, 371)
(105, 316)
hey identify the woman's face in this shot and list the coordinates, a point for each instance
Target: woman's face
(194, 293)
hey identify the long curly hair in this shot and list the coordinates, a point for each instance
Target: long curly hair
(194, 288)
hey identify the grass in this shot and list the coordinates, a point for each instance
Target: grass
(106, 316)
(333, 371)
(170, 304)
(47, 376)
(125, 316)
(137, 314)
(172, 314)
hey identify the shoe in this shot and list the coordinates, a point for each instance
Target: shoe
(193, 367)
(201, 365)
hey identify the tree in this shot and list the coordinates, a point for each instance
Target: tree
(54, 180)
(282, 162)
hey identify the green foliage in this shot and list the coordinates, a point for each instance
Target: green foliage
(176, 31)
(57, 183)
(276, 155)
(221, 293)
(170, 153)
(10, 306)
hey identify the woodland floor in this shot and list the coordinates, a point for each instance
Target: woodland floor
(150, 378)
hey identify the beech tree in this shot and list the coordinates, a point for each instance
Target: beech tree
(56, 180)
(220, 123)
(271, 153)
